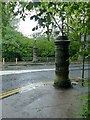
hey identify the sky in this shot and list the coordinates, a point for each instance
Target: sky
(26, 26)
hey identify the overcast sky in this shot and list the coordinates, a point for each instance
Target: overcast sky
(26, 26)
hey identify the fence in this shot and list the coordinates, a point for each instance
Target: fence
(30, 59)
(40, 60)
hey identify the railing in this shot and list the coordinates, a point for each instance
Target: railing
(29, 60)
(40, 60)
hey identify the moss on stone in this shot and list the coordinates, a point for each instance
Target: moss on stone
(62, 84)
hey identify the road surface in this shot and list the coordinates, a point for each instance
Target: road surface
(18, 76)
(43, 101)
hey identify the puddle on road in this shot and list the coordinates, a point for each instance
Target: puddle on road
(27, 89)
(24, 89)
(33, 86)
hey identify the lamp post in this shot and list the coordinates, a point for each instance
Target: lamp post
(35, 59)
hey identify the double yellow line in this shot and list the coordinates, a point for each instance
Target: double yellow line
(8, 93)
(18, 90)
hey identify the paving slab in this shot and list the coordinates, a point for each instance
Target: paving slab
(44, 101)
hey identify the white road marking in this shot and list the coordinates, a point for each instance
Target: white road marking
(7, 72)
(23, 71)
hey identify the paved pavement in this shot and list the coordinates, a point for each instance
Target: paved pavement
(44, 101)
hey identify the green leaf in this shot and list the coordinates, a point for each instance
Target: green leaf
(40, 21)
(36, 27)
(36, 4)
(36, 18)
(48, 18)
(33, 29)
(29, 6)
(32, 17)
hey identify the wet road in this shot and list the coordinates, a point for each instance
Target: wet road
(33, 74)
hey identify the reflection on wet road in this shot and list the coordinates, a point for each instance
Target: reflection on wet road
(14, 77)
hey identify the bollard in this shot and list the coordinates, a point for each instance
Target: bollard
(16, 61)
(47, 60)
(3, 61)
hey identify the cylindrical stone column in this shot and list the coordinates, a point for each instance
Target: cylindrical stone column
(62, 62)
(35, 58)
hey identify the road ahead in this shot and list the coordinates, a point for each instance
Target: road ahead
(18, 76)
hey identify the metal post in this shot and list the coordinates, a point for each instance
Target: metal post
(83, 62)
(83, 70)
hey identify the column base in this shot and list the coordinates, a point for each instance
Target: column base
(62, 83)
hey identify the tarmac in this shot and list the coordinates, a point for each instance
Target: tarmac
(44, 101)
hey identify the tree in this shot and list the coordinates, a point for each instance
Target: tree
(67, 17)
(46, 16)
(7, 15)
(8, 23)
(50, 15)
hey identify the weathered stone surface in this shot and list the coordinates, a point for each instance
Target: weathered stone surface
(35, 58)
(62, 62)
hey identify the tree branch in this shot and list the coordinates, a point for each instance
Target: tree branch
(56, 23)
(70, 27)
